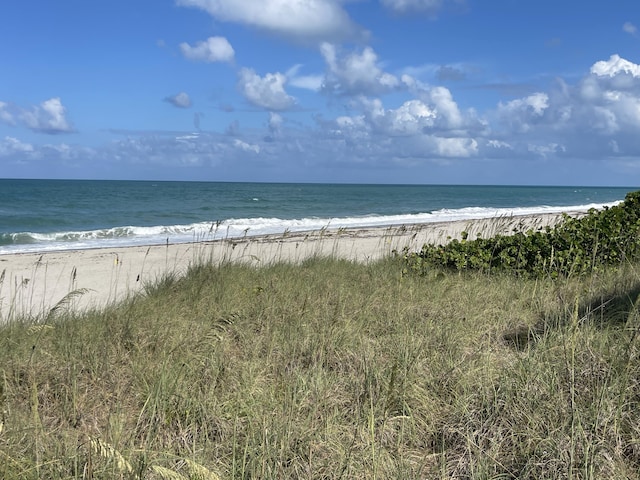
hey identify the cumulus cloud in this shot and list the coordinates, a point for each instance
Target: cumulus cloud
(274, 126)
(48, 117)
(411, 118)
(453, 147)
(523, 112)
(615, 66)
(266, 92)
(610, 96)
(413, 130)
(597, 117)
(446, 107)
(213, 49)
(429, 127)
(356, 72)
(300, 20)
(180, 100)
(11, 145)
(449, 117)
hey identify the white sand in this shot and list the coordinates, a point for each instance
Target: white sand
(32, 284)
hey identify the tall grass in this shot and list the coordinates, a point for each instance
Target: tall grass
(330, 369)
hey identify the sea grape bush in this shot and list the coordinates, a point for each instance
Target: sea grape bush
(575, 246)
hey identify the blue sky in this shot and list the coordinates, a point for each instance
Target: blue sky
(365, 91)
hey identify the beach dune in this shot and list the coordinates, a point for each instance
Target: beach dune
(31, 284)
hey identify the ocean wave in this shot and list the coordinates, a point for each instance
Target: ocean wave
(240, 227)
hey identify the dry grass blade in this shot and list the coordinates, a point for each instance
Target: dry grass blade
(39, 328)
(108, 452)
(199, 472)
(66, 301)
(167, 474)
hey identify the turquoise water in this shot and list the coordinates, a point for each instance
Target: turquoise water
(42, 215)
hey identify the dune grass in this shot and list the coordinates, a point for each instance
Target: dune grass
(330, 369)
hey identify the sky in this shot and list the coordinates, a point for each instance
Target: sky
(517, 92)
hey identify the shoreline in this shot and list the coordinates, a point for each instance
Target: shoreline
(31, 284)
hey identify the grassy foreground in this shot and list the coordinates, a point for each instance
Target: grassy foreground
(331, 369)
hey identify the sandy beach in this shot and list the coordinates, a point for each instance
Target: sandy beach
(31, 284)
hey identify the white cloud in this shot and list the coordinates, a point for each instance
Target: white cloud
(307, 82)
(41, 157)
(523, 112)
(597, 117)
(536, 104)
(446, 107)
(610, 97)
(348, 127)
(615, 66)
(266, 92)
(193, 150)
(274, 126)
(213, 49)
(275, 121)
(546, 150)
(499, 144)
(11, 145)
(429, 7)
(67, 152)
(166, 150)
(5, 115)
(411, 118)
(448, 115)
(630, 28)
(590, 89)
(180, 100)
(408, 131)
(603, 120)
(246, 147)
(355, 73)
(48, 117)
(300, 20)
(454, 147)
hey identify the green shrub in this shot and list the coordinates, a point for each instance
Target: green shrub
(573, 247)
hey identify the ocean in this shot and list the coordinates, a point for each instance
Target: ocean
(45, 215)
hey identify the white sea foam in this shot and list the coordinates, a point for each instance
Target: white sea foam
(241, 227)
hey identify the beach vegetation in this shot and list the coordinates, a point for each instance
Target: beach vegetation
(331, 369)
(575, 246)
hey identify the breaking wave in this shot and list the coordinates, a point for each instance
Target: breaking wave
(239, 227)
